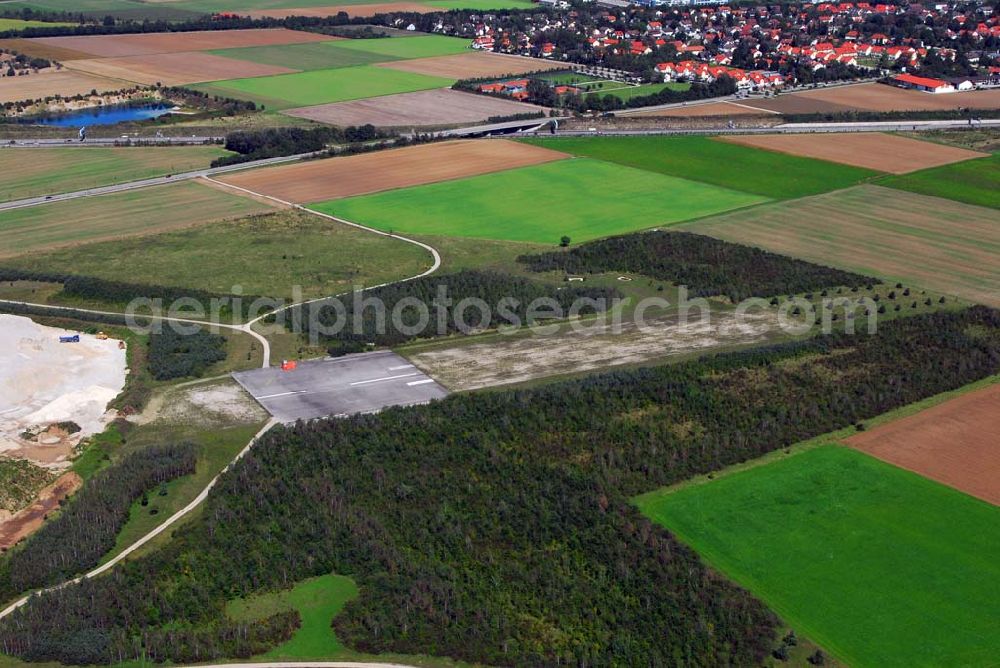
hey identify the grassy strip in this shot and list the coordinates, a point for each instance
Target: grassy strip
(973, 181)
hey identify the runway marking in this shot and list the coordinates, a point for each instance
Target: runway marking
(421, 382)
(401, 366)
(281, 394)
(379, 380)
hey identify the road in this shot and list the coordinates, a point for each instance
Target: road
(784, 128)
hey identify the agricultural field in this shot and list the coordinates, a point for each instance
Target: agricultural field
(953, 443)
(421, 46)
(50, 82)
(468, 65)
(347, 176)
(19, 24)
(60, 170)
(938, 244)
(144, 44)
(876, 151)
(119, 215)
(581, 198)
(872, 97)
(310, 56)
(305, 89)
(702, 110)
(830, 539)
(719, 163)
(972, 181)
(437, 107)
(264, 254)
(173, 69)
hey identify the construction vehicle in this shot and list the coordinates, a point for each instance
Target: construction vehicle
(288, 365)
(101, 336)
(75, 338)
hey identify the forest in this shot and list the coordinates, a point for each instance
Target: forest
(496, 527)
(361, 323)
(273, 142)
(707, 266)
(175, 355)
(85, 529)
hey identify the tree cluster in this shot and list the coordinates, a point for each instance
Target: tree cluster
(85, 529)
(175, 355)
(496, 527)
(707, 266)
(274, 142)
(367, 317)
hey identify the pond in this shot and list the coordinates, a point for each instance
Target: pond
(107, 115)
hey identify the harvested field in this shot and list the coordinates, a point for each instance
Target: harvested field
(710, 109)
(352, 10)
(335, 178)
(441, 106)
(49, 82)
(955, 443)
(144, 44)
(28, 520)
(105, 217)
(472, 65)
(506, 360)
(33, 47)
(878, 151)
(945, 246)
(874, 97)
(172, 69)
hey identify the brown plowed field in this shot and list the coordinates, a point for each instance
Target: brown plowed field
(710, 109)
(173, 69)
(333, 178)
(28, 520)
(956, 443)
(437, 107)
(875, 97)
(471, 65)
(33, 47)
(50, 82)
(352, 10)
(872, 150)
(116, 46)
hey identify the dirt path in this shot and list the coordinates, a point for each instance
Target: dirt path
(28, 520)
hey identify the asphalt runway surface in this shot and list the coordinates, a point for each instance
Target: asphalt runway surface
(364, 383)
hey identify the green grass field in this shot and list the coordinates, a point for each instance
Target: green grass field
(973, 181)
(626, 93)
(304, 89)
(60, 170)
(568, 78)
(266, 255)
(582, 198)
(318, 601)
(310, 56)
(773, 175)
(876, 564)
(106, 217)
(421, 46)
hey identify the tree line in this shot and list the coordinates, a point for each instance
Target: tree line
(707, 266)
(496, 527)
(85, 529)
(362, 323)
